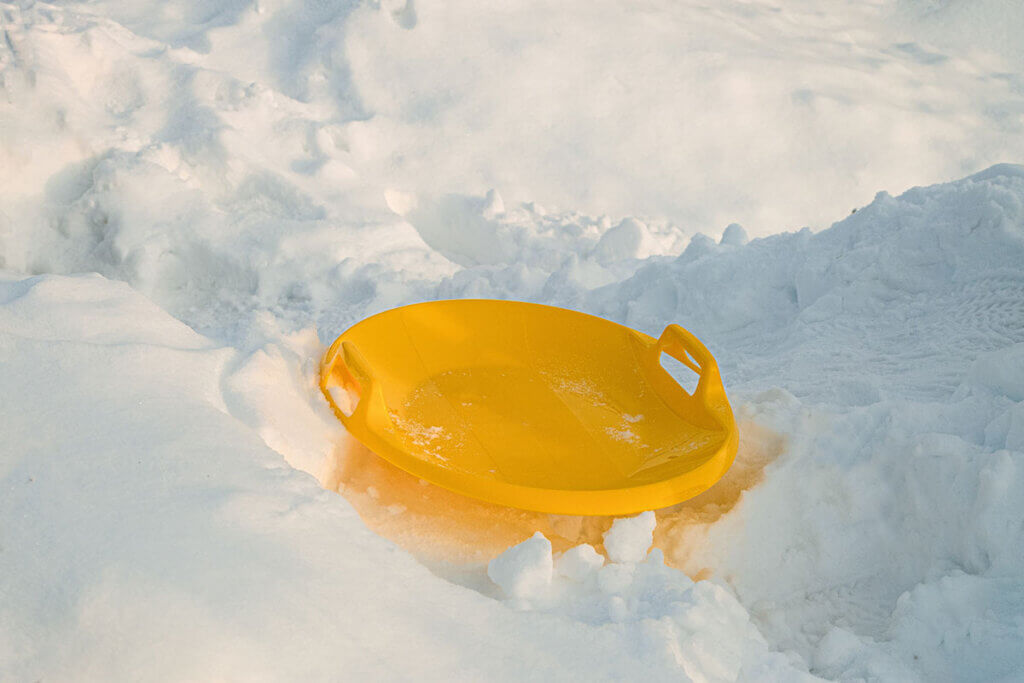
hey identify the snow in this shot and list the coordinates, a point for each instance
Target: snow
(1001, 371)
(196, 197)
(579, 562)
(630, 538)
(524, 570)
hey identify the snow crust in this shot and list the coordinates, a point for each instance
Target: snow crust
(195, 197)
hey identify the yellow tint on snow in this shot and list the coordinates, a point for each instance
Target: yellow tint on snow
(439, 525)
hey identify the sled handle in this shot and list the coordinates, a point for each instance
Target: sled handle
(688, 350)
(344, 356)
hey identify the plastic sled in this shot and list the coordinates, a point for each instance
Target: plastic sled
(532, 406)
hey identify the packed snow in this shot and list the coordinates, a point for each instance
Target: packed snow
(197, 197)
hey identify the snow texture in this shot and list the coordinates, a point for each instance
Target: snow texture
(196, 196)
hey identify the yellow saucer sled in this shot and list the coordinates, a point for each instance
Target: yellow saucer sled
(532, 406)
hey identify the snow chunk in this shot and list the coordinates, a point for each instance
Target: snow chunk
(630, 537)
(700, 245)
(493, 204)
(734, 235)
(623, 241)
(576, 564)
(524, 570)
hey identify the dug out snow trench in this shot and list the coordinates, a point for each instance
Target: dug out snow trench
(872, 522)
(872, 527)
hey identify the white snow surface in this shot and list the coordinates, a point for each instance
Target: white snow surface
(196, 196)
